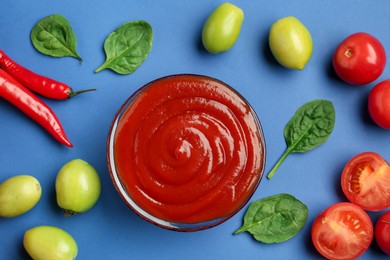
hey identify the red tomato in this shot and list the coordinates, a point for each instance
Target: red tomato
(365, 181)
(359, 59)
(342, 231)
(382, 232)
(379, 104)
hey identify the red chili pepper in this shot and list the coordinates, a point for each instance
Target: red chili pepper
(42, 85)
(15, 93)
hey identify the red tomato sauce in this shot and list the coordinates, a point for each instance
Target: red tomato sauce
(189, 149)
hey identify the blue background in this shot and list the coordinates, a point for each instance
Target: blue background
(112, 231)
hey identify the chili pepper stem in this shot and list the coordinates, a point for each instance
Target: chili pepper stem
(75, 93)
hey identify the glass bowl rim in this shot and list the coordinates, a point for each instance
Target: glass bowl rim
(174, 226)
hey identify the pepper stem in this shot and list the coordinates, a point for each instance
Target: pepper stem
(75, 93)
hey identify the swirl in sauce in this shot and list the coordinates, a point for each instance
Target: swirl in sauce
(189, 149)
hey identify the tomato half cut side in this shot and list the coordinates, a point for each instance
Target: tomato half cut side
(342, 231)
(365, 181)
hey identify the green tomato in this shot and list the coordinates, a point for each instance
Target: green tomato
(77, 186)
(49, 243)
(18, 195)
(291, 43)
(222, 28)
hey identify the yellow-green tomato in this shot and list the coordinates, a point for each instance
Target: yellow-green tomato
(18, 195)
(222, 28)
(77, 186)
(290, 43)
(49, 243)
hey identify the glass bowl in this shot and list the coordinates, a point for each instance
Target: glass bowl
(186, 152)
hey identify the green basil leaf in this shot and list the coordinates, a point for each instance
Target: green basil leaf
(127, 47)
(275, 219)
(54, 36)
(310, 127)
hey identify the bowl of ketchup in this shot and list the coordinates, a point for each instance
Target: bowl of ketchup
(186, 152)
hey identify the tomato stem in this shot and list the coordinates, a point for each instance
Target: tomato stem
(385, 221)
(68, 213)
(348, 53)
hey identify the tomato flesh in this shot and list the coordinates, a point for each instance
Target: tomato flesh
(382, 232)
(342, 231)
(365, 181)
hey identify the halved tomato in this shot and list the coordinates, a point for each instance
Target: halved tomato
(342, 231)
(365, 181)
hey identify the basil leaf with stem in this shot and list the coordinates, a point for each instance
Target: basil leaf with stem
(274, 219)
(54, 36)
(310, 127)
(127, 47)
